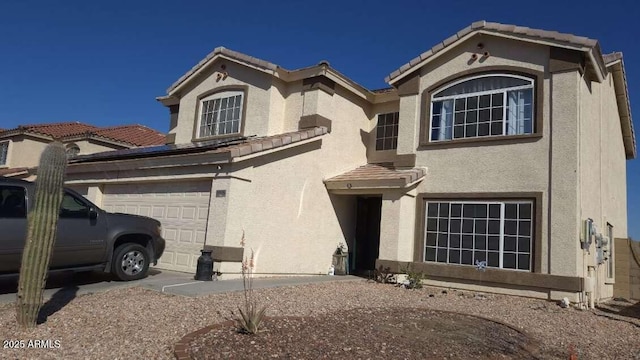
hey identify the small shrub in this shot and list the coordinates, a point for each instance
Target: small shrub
(251, 315)
(384, 275)
(414, 278)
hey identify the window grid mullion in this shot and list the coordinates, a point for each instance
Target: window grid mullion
(504, 113)
(426, 218)
(501, 261)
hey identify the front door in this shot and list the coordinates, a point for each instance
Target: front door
(368, 211)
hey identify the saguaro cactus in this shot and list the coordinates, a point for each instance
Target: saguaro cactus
(41, 233)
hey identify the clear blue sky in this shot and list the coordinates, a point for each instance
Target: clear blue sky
(104, 62)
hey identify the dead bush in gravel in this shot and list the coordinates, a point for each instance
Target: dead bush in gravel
(250, 313)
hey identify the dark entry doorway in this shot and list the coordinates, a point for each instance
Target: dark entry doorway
(367, 246)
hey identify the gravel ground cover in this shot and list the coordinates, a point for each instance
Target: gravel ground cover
(139, 323)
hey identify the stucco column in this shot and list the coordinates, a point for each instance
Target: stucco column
(217, 217)
(397, 226)
(563, 219)
(94, 194)
(408, 123)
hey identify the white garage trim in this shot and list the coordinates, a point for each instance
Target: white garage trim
(181, 207)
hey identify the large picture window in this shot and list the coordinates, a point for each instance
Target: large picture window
(486, 105)
(221, 114)
(467, 233)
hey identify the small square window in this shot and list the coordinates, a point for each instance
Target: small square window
(387, 130)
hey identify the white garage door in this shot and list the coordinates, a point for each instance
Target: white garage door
(181, 207)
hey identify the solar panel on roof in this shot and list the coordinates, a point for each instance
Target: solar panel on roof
(152, 151)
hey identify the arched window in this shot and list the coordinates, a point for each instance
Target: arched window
(72, 150)
(485, 105)
(221, 114)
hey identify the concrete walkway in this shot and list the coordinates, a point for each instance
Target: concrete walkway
(69, 285)
(193, 288)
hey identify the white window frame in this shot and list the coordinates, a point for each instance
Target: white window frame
(479, 93)
(220, 95)
(611, 265)
(6, 160)
(502, 235)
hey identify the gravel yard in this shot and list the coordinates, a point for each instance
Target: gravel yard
(139, 323)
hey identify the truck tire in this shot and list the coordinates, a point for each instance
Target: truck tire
(130, 262)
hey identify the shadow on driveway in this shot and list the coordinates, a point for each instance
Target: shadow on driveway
(61, 284)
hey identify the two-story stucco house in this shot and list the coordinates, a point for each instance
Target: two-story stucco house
(20, 147)
(485, 164)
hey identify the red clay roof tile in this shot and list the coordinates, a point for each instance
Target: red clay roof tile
(136, 135)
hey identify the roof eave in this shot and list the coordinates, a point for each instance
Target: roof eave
(624, 107)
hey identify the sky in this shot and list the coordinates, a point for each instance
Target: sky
(105, 62)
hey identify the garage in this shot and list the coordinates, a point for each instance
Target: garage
(181, 207)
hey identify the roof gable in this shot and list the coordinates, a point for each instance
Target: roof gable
(595, 61)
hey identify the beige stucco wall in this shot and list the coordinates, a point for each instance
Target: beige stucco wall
(280, 201)
(487, 167)
(94, 146)
(548, 165)
(264, 100)
(602, 174)
(25, 151)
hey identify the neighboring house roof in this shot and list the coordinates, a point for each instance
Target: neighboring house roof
(137, 135)
(236, 147)
(127, 135)
(382, 175)
(553, 38)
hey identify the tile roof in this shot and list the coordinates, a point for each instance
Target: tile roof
(272, 142)
(383, 90)
(382, 175)
(136, 135)
(235, 147)
(522, 31)
(614, 56)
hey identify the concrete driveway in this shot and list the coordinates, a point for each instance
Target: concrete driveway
(63, 287)
(74, 284)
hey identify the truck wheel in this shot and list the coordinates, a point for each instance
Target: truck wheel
(130, 262)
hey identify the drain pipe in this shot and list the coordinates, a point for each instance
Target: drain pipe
(592, 286)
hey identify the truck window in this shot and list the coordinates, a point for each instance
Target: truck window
(73, 207)
(12, 202)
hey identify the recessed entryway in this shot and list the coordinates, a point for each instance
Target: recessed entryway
(367, 244)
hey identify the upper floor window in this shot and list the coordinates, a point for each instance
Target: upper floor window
(221, 114)
(485, 105)
(387, 131)
(4, 152)
(72, 150)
